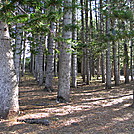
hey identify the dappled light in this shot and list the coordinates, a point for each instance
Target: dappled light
(92, 109)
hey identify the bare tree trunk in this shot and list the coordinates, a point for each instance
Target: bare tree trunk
(108, 60)
(87, 42)
(119, 60)
(50, 59)
(98, 67)
(74, 39)
(18, 47)
(103, 67)
(23, 58)
(126, 63)
(9, 106)
(83, 65)
(131, 60)
(116, 72)
(102, 53)
(40, 61)
(65, 57)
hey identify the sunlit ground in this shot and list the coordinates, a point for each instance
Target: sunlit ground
(92, 110)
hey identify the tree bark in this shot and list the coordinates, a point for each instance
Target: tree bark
(18, 47)
(50, 59)
(40, 61)
(83, 65)
(116, 72)
(108, 60)
(23, 57)
(74, 39)
(9, 106)
(126, 64)
(102, 67)
(65, 56)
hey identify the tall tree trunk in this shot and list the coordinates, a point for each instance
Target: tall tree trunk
(108, 60)
(83, 68)
(126, 63)
(56, 58)
(23, 57)
(87, 42)
(102, 67)
(9, 106)
(102, 53)
(36, 69)
(18, 47)
(91, 39)
(98, 67)
(116, 72)
(131, 60)
(40, 61)
(74, 39)
(119, 60)
(65, 56)
(32, 63)
(50, 59)
(131, 47)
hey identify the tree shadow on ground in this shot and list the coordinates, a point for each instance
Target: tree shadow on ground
(116, 118)
(92, 110)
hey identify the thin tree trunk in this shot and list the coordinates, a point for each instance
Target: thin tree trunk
(116, 72)
(131, 47)
(40, 61)
(108, 60)
(126, 64)
(103, 67)
(50, 59)
(83, 68)
(74, 39)
(17, 55)
(87, 42)
(119, 60)
(23, 58)
(56, 63)
(131, 60)
(98, 68)
(102, 53)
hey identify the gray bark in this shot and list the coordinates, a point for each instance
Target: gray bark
(65, 56)
(131, 60)
(40, 62)
(98, 67)
(119, 60)
(108, 60)
(126, 63)
(83, 65)
(9, 106)
(50, 59)
(116, 72)
(102, 53)
(18, 47)
(23, 58)
(87, 43)
(74, 55)
(103, 67)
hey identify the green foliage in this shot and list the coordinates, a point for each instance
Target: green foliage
(123, 14)
(70, 27)
(50, 3)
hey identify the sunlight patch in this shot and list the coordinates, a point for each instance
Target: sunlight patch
(36, 115)
(124, 117)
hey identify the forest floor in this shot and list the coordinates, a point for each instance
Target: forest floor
(92, 110)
